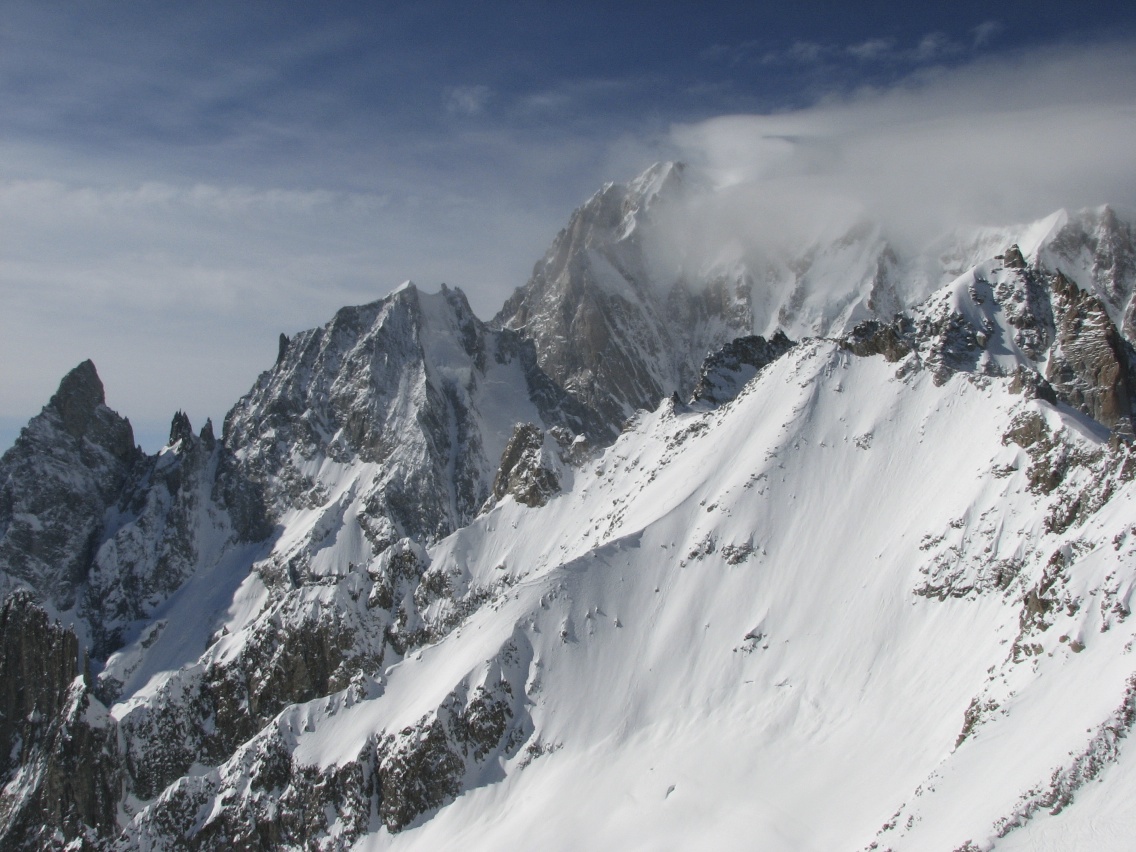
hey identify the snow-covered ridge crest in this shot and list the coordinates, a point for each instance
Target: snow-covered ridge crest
(651, 276)
(437, 572)
(683, 620)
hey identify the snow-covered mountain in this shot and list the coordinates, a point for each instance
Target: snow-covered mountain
(567, 580)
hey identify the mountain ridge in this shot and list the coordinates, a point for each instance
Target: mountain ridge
(424, 544)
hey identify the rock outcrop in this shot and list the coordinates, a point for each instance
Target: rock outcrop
(531, 467)
(66, 469)
(58, 755)
(725, 372)
(1090, 364)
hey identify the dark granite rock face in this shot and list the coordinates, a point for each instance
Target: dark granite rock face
(1109, 244)
(529, 471)
(604, 330)
(726, 371)
(873, 337)
(68, 466)
(58, 761)
(1073, 351)
(38, 663)
(80, 404)
(1090, 363)
(180, 429)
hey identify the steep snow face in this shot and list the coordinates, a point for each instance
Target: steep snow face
(846, 613)
(864, 588)
(847, 608)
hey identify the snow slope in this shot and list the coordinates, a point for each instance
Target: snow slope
(766, 626)
(879, 600)
(675, 727)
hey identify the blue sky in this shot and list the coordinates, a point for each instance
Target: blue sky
(180, 182)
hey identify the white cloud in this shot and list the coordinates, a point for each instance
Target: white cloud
(467, 100)
(985, 32)
(998, 141)
(872, 49)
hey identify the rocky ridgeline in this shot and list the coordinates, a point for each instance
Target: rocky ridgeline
(1056, 339)
(381, 432)
(405, 384)
(604, 327)
(101, 531)
(725, 372)
(280, 802)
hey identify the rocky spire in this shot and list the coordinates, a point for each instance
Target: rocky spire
(68, 466)
(78, 398)
(180, 428)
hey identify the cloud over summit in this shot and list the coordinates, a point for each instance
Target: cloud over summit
(1005, 139)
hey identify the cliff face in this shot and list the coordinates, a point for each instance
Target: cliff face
(605, 328)
(1090, 363)
(67, 467)
(60, 762)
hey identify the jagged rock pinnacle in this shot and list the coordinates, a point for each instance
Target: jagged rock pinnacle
(180, 428)
(1013, 259)
(79, 395)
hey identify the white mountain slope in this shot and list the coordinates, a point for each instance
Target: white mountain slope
(880, 597)
(862, 606)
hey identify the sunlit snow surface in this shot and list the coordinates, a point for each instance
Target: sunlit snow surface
(763, 626)
(798, 516)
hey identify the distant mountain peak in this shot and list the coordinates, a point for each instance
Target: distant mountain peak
(79, 395)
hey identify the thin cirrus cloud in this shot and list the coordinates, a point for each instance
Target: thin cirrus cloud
(467, 100)
(871, 50)
(985, 32)
(931, 47)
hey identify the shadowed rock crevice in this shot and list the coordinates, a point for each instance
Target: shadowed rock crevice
(58, 761)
